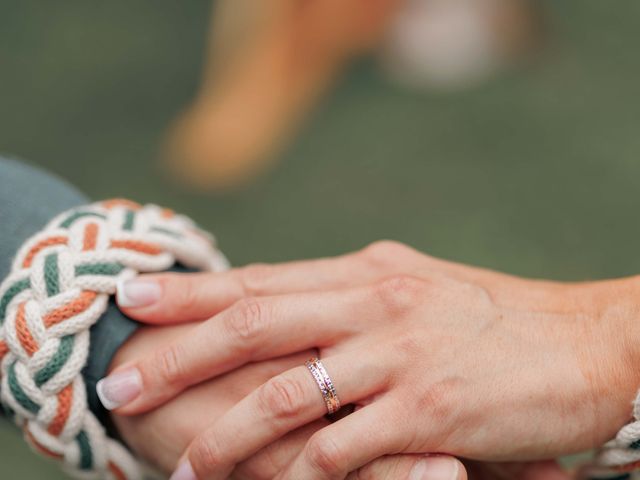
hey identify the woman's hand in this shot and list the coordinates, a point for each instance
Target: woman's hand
(161, 436)
(440, 358)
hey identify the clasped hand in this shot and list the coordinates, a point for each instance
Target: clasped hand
(432, 357)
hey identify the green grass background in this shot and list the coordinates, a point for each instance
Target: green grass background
(535, 172)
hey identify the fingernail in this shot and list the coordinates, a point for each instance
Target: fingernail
(138, 292)
(435, 468)
(184, 472)
(119, 388)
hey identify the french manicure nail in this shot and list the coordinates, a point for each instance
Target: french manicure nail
(435, 468)
(184, 472)
(137, 292)
(119, 388)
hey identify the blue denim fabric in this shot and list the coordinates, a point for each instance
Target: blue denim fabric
(29, 198)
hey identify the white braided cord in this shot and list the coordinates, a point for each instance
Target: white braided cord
(619, 458)
(59, 286)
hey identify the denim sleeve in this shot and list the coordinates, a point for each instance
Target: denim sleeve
(29, 198)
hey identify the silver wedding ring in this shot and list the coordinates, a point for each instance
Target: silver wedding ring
(328, 390)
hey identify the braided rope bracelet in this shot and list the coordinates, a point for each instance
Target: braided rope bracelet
(59, 286)
(619, 459)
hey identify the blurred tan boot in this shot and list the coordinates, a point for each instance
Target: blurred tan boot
(268, 63)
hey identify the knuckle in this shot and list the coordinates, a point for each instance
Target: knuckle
(401, 292)
(438, 399)
(384, 253)
(385, 248)
(282, 398)
(247, 320)
(324, 456)
(255, 277)
(169, 365)
(206, 456)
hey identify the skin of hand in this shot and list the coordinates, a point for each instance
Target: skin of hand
(438, 357)
(160, 436)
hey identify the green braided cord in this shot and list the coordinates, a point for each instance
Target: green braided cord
(94, 275)
(129, 220)
(67, 222)
(55, 363)
(51, 274)
(12, 291)
(165, 231)
(86, 455)
(19, 394)
(99, 269)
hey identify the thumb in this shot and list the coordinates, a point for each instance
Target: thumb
(412, 467)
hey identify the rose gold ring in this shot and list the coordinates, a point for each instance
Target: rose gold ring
(328, 390)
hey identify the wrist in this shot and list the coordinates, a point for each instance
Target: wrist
(611, 350)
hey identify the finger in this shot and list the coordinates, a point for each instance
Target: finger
(411, 467)
(283, 404)
(171, 297)
(253, 329)
(272, 459)
(350, 443)
(175, 298)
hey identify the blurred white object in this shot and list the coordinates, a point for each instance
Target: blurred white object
(455, 43)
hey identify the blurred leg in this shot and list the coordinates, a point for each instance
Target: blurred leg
(266, 68)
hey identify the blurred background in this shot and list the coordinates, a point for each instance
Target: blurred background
(497, 133)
